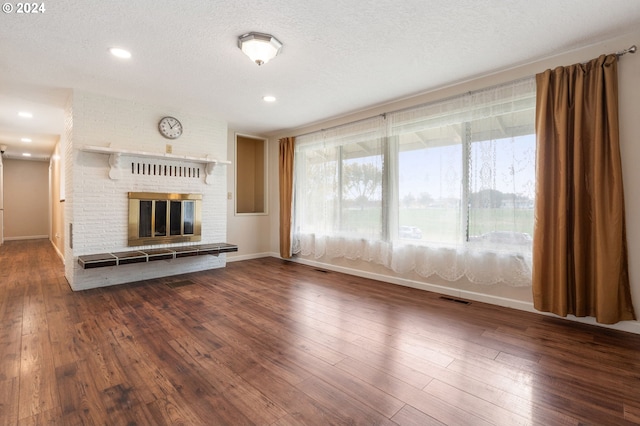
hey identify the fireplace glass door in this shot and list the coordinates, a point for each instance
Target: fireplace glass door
(158, 218)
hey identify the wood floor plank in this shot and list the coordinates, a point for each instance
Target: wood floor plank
(187, 379)
(11, 307)
(34, 317)
(359, 390)
(450, 345)
(438, 409)
(253, 403)
(124, 406)
(242, 351)
(266, 341)
(632, 410)
(409, 416)
(351, 410)
(66, 346)
(302, 341)
(173, 410)
(80, 400)
(38, 387)
(150, 381)
(481, 408)
(518, 402)
(302, 409)
(9, 388)
(112, 324)
(10, 348)
(580, 399)
(551, 343)
(51, 417)
(391, 382)
(377, 354)
(288, 420)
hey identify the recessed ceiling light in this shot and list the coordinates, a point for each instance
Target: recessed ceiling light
(120, 53)
(269, 98)
(25, 140)
(25, 114)
(26, 154)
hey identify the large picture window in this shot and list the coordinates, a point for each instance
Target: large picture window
(338, 177)
(445, 188)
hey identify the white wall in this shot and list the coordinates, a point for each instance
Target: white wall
(97, 206)
(520, 298)
(26, 210)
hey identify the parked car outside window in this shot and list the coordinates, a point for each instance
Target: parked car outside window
(412, 232)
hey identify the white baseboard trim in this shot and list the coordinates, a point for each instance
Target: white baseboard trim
(60, 255)
(28, 237)
(628, 326)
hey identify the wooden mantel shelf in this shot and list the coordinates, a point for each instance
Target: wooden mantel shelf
(115, 155)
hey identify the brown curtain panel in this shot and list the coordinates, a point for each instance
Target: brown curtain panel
(579, 243)
(286, 194)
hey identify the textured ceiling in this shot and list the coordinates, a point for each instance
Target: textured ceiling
(338, 56)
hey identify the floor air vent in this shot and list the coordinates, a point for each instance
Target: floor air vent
(453, 299)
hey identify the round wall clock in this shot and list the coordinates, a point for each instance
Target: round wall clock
(170, 127)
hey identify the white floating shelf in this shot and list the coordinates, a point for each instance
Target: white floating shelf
(116, 153)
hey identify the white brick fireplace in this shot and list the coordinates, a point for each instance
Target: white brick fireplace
(96, 205)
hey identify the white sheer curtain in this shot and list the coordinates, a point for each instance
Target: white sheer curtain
(444, 188)
(338, 204)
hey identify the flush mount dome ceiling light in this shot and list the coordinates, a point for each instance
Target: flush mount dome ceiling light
(120, 53)
(261, 48)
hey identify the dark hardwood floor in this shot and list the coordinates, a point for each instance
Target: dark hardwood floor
(269, 342)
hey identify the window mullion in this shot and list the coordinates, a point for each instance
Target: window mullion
(386, 190)
(392, 208)
(466, 179)
(340, 194)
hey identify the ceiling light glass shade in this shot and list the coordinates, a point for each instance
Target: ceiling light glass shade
(120, 53)
(261, 48)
